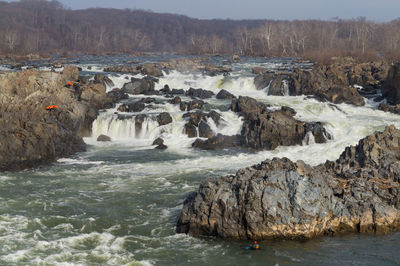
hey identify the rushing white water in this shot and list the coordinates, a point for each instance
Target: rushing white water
(117, 203)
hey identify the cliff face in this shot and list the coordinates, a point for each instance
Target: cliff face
(282, 199)
(30, 135)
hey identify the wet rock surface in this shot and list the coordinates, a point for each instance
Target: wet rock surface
(279, 198)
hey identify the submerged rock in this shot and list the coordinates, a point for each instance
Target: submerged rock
(278, 198)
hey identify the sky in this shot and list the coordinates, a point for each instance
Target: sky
(377, 10)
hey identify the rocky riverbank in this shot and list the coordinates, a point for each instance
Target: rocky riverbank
(31, 136)
(360, 192)
(343, 81)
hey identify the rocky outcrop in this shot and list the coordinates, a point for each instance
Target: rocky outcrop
(264, 129)
(391, 87)
(360, 192)
(334, 82)
(30, 135)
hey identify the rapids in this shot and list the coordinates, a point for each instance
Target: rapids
(117, 203)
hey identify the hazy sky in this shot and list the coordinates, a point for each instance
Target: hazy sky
(378, 10)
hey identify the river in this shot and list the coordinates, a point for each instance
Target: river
(118, 203)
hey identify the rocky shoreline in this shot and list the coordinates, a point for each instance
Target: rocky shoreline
(360, 192)
(32, 136)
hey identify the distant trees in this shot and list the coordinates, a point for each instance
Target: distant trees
(37, 26)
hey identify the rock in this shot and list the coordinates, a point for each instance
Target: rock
(147, 100)
(132, 107)
(395, 109)
(179, 92)
(29, 135)
(217, 142)
(391, 86)
(164, 118)
(212, 70)
(151, 70)
(139, 86)
(190, 130)
(334, 82)
(321, 135)
(258, 70)
(195, 117)
(182, 106)
(264, 129)
(158, 141)
(162, 147)
(272, 129)
(289, 111)
(176, 100)
(199, 93)
(117, 95)
(223, 94)
(246, 106)
(282, 199)
(103, 138)
(124, 69)
(235, 59)
(100, 78)
(139, 119)
(263, 80)
(165, 89)
(195, 104)
(205, 130)
(214, 116)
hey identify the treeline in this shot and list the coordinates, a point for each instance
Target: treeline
(40, 26)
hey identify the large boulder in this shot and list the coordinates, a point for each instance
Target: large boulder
(278, 198)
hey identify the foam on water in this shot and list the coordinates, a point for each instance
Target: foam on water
(117, 203)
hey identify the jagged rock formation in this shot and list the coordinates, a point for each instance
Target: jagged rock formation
(265, 129)
(278, 198)
(30, 135)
